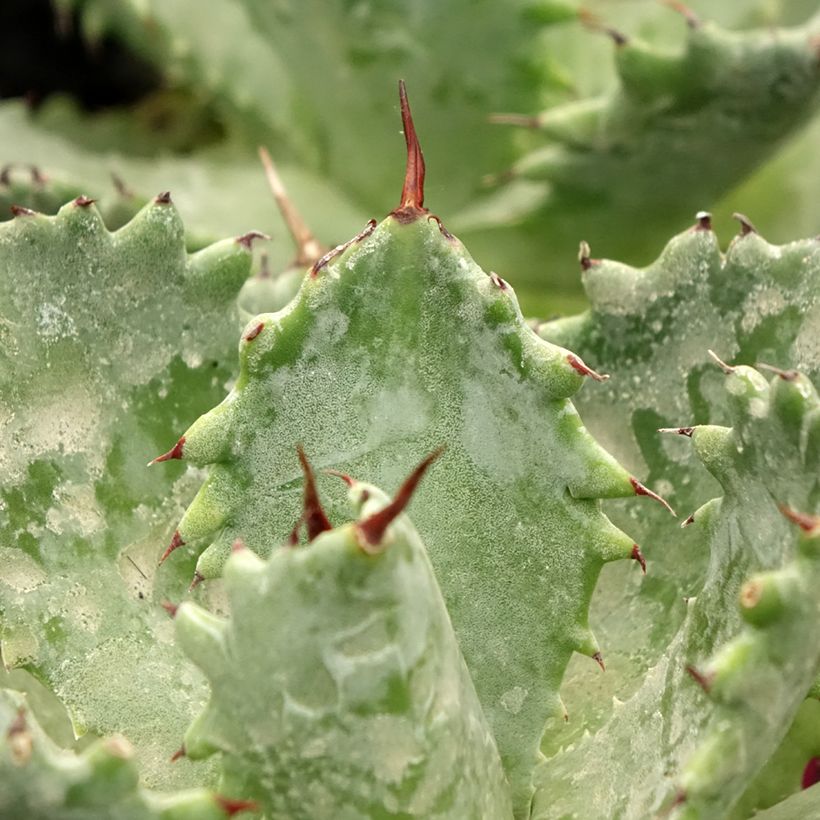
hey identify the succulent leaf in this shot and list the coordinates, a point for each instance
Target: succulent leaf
(398, 342)
(108, 341)
(361, 697)
(764, 459)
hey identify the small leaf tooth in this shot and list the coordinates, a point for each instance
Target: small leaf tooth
(726, 368)
(498, 281)
(313, 514)
(174, 453)
(681, 431)
(584, 256)
(20, 210)
(374, 526)
(339, 474)
(703, 680)
(640, 489)
(688, 521)
(176, 543)
(83, 201)
(180, 752)
(246, 240)
(637, 555)
(704, 221)
(577, 364)
(163, 198)
(170, 608)
(339, 249)
(786, 375)
(254, 332)
(412, 194)
(308, 248)
(523, 120)
(807, 523)
(196, 581)
(746, 226)
(232, 807)
(692, 19)
(599, 659)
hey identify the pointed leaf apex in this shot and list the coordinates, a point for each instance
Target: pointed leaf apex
(374, 527)
(19, 210)
(176, 543)
(637, 555)
(83, 201)
(163, 199)
(308, 249)
(173, 453)
(314, 515)
(640, 489)
(412, 194)
(599, 659)
(196, 581)
(584, 256)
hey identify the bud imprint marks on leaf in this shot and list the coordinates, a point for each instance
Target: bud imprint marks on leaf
(372, 529)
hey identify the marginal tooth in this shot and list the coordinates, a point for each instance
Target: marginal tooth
(313, 514)
(599, 659)
(637, 555)
(176, 543)
(681, 431)
(247, 239)
(640, 489)
(692, 20)
(173, 453)
(704, 221)
(577, 364)
(196, 581)
(179, 753)
(746, 226)
(726, 368)
(688, 521)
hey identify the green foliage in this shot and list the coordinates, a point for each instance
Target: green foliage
(108, 341)
(361, 697)
(337, 682)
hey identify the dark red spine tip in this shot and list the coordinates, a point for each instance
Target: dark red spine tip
(180, 752)
(83, 201)
(702, 680)
(412, 194)
(254, 332)
(637, 555)
(176, 543)
(170, 608)
(196, 581)
(577, 364)
(163, 199)
(640, 489)
(807, 523)
(374, 527)
(247, 239)
(599, 659)
(174, 453)
(232, 807)
(313, 514)
(19, 210)
(498, 281)
(811, 773)
(703, 221)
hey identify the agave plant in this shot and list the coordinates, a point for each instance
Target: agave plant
(416, 556)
